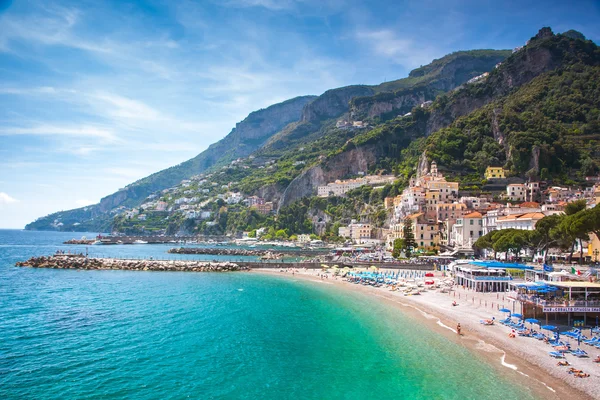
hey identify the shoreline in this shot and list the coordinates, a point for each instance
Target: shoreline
(522, 359)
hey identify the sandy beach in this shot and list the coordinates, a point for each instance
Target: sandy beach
(521, 358)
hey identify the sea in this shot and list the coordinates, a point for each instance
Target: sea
(67, 334)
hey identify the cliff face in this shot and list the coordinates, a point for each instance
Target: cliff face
(333, 103)
(347, 163)
(440, 76)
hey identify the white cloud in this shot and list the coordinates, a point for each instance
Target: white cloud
(123, 107)
(56, 130)
(6, 199)
(403, 51)
(84, 202)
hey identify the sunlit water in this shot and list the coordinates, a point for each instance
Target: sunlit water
(153, 335)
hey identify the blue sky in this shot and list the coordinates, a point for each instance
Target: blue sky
(97, 94)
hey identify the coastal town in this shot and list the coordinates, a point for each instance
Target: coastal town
(263, 200)
(442, 217)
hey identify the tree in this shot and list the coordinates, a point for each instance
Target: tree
(399, 245)
(252, 233)
(281, 234)
(485, 242)
(409, 237)
(575, 206)
(542, 236)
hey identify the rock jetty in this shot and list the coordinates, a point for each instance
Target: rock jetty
(64, 262)
(80, 241)
(221, 252)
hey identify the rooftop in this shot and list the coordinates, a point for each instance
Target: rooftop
(595, 285)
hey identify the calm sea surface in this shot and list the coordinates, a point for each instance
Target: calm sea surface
(67, 334)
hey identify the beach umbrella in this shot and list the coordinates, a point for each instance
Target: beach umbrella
(504, 310)
(373, 267)
(532, 321)
(549, 328)
(518, 316)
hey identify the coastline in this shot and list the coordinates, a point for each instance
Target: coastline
(523, 359)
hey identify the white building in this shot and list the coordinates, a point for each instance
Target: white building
(341, 187)
(516, 192)
(525, 221)
(467, 230)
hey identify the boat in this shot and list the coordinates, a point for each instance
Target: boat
(139, 242)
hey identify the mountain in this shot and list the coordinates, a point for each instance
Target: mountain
(536, 114)
(246, 137)
(297, 133)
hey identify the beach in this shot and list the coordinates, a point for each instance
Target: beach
(526, 358)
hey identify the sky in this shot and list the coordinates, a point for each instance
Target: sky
(97, 94)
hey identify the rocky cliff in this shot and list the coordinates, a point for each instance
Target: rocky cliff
(440, 76)
(333, 103)
(347, 163)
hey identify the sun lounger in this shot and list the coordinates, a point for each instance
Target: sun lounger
(579, 353)
(556, 354)
(592, 341)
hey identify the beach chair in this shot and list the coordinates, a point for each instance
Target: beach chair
(539, 336)
(592, 341)
(579, 353)
(556, 354)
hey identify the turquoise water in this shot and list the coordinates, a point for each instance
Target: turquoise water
(155, 335)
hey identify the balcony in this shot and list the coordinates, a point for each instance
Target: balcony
(553, 303)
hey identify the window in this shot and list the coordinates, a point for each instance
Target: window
(471, 222)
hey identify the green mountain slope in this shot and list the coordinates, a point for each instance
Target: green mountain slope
(537, 115)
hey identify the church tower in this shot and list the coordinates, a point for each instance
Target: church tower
(434, 171)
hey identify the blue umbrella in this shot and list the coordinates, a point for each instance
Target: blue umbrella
(532, 321)
(504, 310)
(549, 327)
(518, 316)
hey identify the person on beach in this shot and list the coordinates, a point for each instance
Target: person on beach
(458, 328)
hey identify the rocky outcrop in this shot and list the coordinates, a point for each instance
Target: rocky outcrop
(344, 164)
(333, 103)
(70, 262)
(440, 76)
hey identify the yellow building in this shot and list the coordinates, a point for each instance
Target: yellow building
(594, 248)
(426, 232)
(494, 173)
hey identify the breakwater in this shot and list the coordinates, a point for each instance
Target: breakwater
(71, 262)
(80, 241)
(242, 252)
